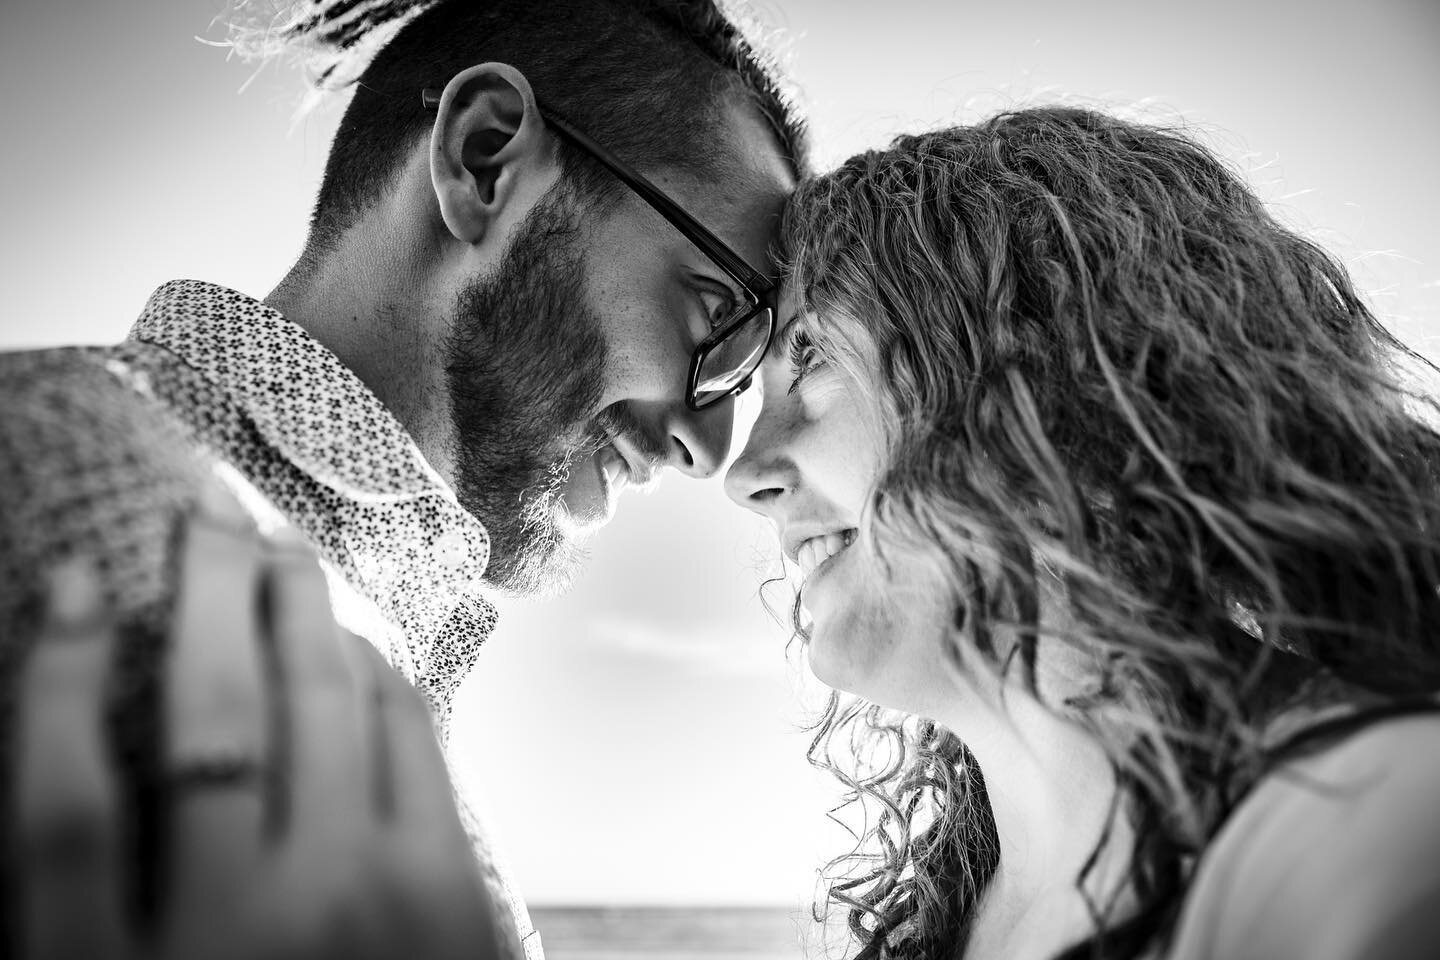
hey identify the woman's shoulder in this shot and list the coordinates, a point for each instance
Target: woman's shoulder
(1334, 854)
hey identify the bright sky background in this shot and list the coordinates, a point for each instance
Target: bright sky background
(638, 741)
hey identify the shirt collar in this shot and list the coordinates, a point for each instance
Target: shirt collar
(344, 437)
(283, 413)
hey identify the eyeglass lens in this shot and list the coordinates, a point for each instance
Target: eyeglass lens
(733, 359)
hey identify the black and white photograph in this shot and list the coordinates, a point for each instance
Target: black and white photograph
(720, 480)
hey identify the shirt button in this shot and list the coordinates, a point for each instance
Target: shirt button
(451, 550)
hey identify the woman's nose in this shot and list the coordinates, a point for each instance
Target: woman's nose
(763, 473)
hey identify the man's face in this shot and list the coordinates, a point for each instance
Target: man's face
(566, 366)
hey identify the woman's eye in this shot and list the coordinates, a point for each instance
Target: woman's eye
(805, 357)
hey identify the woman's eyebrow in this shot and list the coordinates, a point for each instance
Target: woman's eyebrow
(782, 335)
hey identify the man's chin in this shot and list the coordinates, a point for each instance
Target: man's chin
(537, 550)
(538, 572)
(539, 554)
(586, 499)
(584, 519)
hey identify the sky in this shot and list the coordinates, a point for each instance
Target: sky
(640, 740)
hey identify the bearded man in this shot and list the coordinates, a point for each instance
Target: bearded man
(536, 272)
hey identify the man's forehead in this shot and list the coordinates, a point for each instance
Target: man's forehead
(742, 205)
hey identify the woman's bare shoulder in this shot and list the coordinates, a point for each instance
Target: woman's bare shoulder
(1333, 855)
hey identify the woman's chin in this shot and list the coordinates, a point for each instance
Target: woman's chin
(831, 663)
(840, 651)
(854, 655)
(818, 660)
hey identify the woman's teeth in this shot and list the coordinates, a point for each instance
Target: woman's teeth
(817, 550)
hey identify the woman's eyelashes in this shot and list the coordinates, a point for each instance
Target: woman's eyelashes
(805, 356)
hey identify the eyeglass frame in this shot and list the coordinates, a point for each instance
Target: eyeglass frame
(753, 284)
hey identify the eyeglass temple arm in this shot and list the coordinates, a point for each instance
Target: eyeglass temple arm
(711, 245)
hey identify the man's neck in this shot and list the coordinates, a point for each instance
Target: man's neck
(364, 305)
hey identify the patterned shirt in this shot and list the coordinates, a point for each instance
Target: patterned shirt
(103, 449)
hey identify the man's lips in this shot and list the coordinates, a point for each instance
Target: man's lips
(639, 470)
(613, 466)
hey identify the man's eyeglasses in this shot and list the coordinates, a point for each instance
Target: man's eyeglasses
(727, 358)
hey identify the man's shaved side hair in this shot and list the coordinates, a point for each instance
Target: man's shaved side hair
(647, 78)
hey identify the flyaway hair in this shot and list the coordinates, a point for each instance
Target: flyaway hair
(332, 40)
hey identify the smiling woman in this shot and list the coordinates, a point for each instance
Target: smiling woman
(809, 466)
(1091, 466)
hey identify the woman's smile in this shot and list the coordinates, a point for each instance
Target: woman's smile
(814, 555)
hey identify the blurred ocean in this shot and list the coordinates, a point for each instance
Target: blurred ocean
(672, 933)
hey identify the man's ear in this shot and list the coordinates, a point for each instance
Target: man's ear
(488, 145)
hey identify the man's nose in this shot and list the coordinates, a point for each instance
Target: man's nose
(700, 439)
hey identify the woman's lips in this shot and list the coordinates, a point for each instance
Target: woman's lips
(816, 552)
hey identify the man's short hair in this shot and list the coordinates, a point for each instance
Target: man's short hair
(646, 78)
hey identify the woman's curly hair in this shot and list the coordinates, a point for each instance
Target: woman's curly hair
(1101, 363)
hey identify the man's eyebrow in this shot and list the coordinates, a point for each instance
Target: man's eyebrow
(720, 282)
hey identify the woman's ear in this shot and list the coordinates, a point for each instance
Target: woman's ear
(488, 143)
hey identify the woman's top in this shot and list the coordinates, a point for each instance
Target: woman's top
(1335, 855)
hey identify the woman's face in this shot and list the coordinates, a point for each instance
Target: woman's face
(810, 466)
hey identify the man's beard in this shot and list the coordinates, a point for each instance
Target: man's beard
(525, 362)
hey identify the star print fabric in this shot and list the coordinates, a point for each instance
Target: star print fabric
(270, 401)
(104, 449)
